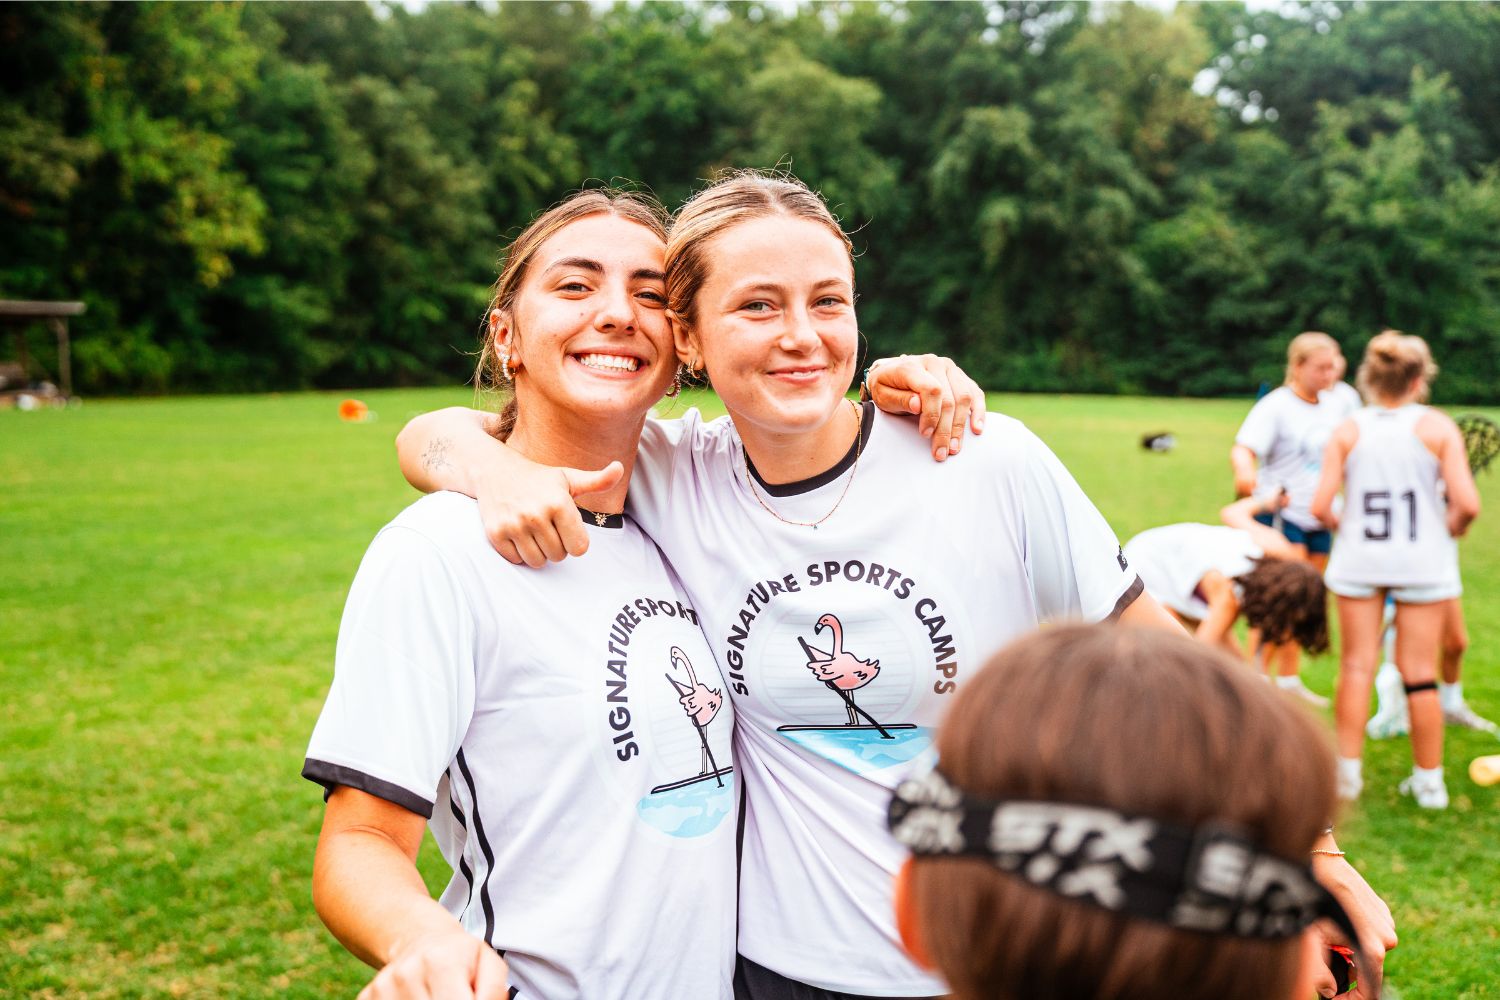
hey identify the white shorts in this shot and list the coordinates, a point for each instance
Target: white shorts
(1430, 594)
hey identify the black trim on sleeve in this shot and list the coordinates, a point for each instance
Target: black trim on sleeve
(330, 776)
(1133, 591)
(866, 422)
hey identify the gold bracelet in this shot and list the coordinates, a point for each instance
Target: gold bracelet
(1331, 854)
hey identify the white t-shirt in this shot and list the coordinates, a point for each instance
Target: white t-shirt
(534, 717)
(1394, 529)
(842, 647)
(1173, 559)
(1288, 435)
(1346, 396)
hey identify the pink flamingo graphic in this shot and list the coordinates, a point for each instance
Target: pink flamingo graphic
(843, 672)
(702, 704)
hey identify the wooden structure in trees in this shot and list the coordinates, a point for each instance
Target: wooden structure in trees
(55, 316)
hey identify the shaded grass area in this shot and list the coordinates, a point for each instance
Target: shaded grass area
(175, 571)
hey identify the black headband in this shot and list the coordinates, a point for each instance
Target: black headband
(1211, 879)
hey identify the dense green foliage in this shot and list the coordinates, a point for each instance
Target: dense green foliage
(175, 570)
(1109, 199)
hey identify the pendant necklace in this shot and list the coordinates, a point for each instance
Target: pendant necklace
(858, 448)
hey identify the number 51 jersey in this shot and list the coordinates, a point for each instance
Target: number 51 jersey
(1394, 531)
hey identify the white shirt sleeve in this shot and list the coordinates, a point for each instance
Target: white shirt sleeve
(403, 679)
(1258, 432)
(1075, 562)
(665, 448)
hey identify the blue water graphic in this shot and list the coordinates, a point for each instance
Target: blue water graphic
(863, 750)
(691, 811)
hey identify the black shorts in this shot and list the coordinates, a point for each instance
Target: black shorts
(756, 982)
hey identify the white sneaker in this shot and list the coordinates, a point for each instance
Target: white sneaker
(1466, 717)
(1302, 691)
(1390, 718)
(1428, 790)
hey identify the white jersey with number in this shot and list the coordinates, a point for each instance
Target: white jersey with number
(843, 645)
(537, 718)
(1172, 561)
(1288, 435)
(1394, 529)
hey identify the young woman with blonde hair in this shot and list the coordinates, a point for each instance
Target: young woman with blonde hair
(490, 702)
(1408, 497)
(1280, 447)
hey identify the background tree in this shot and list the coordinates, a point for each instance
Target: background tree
(1062, 196)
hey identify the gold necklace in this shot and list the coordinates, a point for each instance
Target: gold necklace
(858, 447)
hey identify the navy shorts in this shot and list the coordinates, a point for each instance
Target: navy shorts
(1318, 542)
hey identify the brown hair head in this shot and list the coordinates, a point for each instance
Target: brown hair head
(1304, 346)
(737, 197)
(1286, 600)
(515, 259)
(1144, 722)
(1393, 360)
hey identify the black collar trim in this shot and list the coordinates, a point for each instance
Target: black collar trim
(599, 520)
(866, 423)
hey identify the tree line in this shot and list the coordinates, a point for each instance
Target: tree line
(1102, 198)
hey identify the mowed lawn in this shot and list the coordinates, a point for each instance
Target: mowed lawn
(174, 572)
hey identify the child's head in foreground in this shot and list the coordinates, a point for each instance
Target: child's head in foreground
(1158, 734)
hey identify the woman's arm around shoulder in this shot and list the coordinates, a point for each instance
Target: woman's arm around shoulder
(368, 892)
(934, 389)
(529, 510)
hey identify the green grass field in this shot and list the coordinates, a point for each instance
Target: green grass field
(174, 572)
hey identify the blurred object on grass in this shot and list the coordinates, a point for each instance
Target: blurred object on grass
(354, 411)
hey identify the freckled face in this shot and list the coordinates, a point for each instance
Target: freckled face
(776, 325)
(588, 332)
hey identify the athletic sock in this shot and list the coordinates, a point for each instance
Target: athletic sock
(1291, 683)
(1426, 774)
(1351, 769)
(1451, 696)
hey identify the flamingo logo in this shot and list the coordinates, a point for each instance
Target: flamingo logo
(843, 673)
(701, 704)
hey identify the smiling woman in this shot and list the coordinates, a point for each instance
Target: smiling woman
(785, 334)
(515, 712)
(594, 311)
